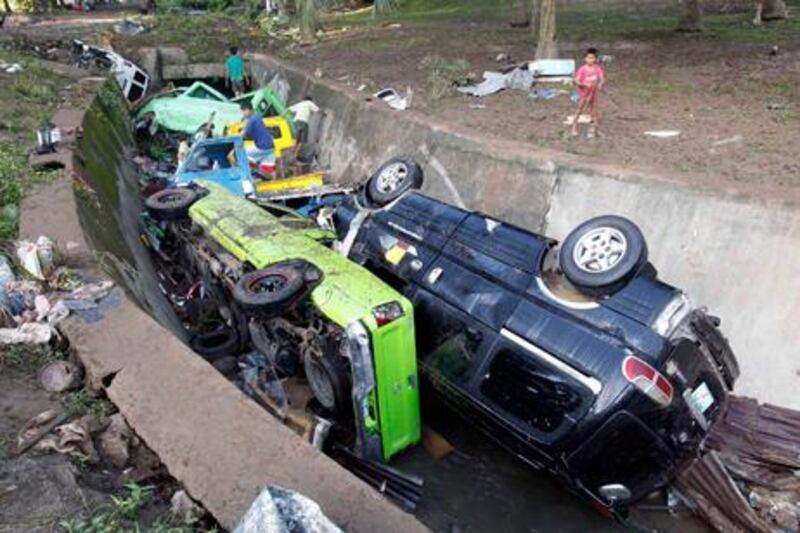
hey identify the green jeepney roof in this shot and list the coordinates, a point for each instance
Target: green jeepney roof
(347, 292)
(191, 108)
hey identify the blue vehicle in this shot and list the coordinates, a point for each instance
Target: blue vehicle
(222, 160)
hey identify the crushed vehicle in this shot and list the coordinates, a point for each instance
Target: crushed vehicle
(577, 358)
(187, 110)
(132, 80)
(241, 276)
(224, 160)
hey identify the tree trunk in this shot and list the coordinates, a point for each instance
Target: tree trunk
(692, 20)
(7, 7)
(533, 8)
(309, 20)
(546, 46)
(520, 16)
(774, 10)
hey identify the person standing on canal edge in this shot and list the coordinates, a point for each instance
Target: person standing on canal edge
(589, 80)
(235, 73)
(302, 117)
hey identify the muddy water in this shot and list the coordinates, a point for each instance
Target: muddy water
(478, 487)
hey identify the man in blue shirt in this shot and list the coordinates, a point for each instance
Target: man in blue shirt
(262, 153)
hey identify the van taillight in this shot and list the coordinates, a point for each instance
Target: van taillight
(648, 380)
(386, 313)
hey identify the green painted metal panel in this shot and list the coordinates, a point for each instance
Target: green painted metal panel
(348, 292)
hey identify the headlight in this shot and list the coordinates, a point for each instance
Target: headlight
(672, 315)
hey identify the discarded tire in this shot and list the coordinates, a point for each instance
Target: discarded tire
(328, 377)
(216, 344)
(392, 179)
(602, 253)
(270, 291)
(170, 204)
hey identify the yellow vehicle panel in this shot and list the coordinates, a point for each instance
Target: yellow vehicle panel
(278, 126)
(306, 181)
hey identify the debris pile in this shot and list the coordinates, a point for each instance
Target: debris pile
(749, 480)
(44, 295)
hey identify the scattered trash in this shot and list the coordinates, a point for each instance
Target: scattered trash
(47, 138)
(10, 68)
(543, 94)
(583, 119)
(502, 58)
(277, 509)
(553, 70)
(393, 98)
(773, 51)
(6, 277)
(59, 376)
(36, 428)
(730, 140)
(73, 439)
(776, 107)
(663, 134)
(28, 333)
(477, 106)
(184, 509)
(362, 87)
(606, 59)
(493, 82)
(36, 258)
(129, 27)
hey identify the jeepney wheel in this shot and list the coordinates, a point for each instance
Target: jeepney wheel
(329, 378)
(270, 291)
(392, 179)
(170, 204)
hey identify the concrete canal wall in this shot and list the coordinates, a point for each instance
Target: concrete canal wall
(739, 256)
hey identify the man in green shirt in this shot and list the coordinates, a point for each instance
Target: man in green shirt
(235, 73)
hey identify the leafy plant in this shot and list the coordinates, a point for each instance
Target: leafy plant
(130, 505)
(83, 402)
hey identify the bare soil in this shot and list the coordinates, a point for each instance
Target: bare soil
(735, 103)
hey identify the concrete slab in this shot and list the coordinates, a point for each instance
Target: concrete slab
(216, 441)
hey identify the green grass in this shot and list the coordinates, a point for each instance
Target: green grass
(81, 402)
(124, 514)
(27, 99)
(28, 358)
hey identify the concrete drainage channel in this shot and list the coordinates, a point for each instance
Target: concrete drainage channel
(224, 452)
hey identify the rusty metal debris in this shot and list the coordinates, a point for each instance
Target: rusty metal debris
(748, 481)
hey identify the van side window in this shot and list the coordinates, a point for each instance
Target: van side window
(529, 390)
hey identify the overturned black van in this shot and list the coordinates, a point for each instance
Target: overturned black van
(577, 358)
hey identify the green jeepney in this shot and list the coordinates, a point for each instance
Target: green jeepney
(186, 110)
(376, 322)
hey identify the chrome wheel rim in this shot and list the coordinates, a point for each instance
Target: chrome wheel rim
(391, 177)
(600, 250)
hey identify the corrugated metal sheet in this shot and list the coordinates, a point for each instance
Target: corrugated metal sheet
(748, 480)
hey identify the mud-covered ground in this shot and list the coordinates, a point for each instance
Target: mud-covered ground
(736, 104)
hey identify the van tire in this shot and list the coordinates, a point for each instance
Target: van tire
(392, 179)
(602, 254)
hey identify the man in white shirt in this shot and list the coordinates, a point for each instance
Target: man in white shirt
(302, 117)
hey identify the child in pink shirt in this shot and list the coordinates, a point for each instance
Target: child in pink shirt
(589, 79)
